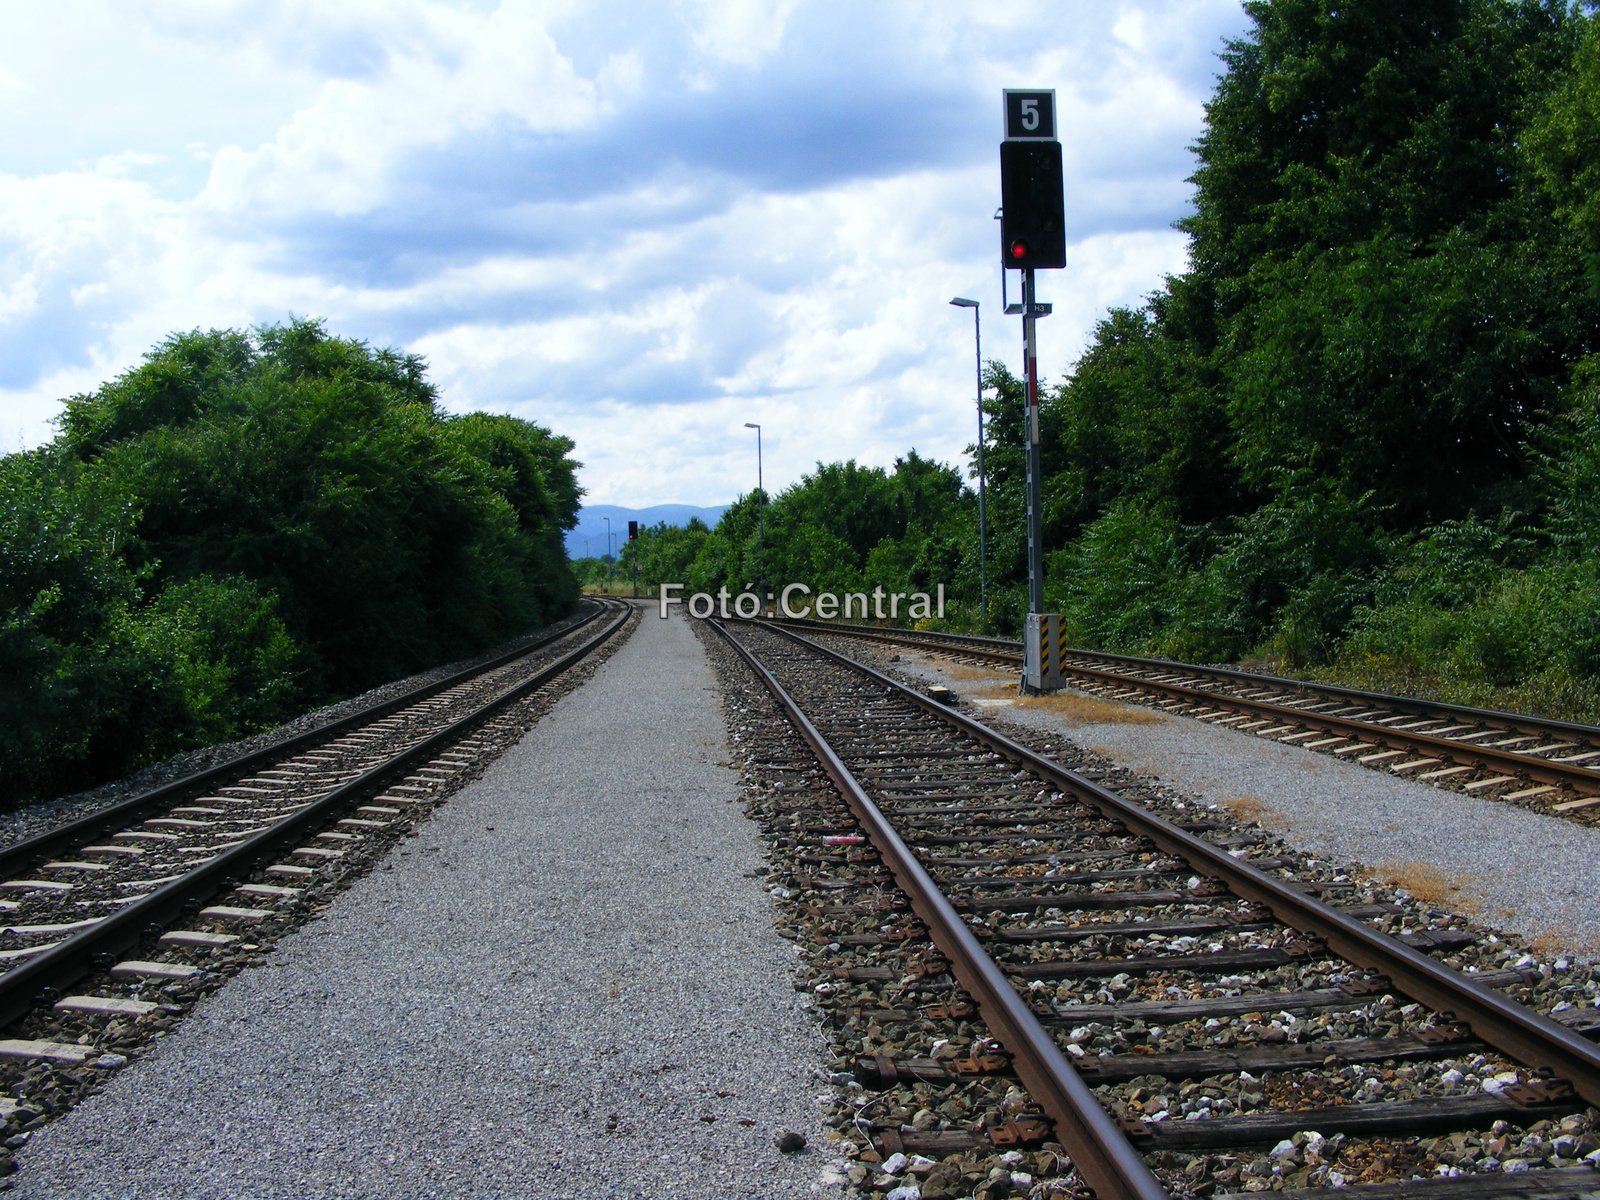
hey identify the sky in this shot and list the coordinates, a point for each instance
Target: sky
(639, 224)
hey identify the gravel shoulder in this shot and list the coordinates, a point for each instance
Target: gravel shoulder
(1510, 868)
(567, 984)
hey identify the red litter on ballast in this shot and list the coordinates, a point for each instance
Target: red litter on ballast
(843, 839)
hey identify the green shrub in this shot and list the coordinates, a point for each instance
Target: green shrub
(250, 523)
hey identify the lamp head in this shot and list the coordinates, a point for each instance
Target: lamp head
(963, 302)
(751, 425)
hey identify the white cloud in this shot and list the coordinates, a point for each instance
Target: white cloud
(738, 31)
(13, 88)
(536, 198)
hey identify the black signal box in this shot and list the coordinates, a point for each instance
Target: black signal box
(633, 530)
(1033, 226)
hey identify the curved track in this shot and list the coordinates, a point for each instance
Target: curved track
(1551, 766)
(80, 895)
(1027, 876)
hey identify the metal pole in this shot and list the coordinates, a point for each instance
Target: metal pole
(761, 507)
(983, 552)
(1030, 350)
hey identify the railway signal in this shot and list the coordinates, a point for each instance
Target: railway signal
(633, 561)
(1033, 229)
(1033, 236)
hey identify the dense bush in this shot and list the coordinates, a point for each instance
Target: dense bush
(1360, 435)
(248, 523)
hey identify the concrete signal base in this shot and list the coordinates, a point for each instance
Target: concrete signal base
(1043, 644)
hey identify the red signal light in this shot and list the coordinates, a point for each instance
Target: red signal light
(1018, 250)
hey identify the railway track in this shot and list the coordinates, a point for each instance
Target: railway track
(115, 904)
(1549, 766)
(1183, 1016)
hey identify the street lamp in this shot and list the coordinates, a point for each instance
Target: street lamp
(607, 520)
(761, 504)
(983, 570)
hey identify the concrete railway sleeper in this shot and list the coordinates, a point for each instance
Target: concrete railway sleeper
(1307, 992)
(1548, 766)
(130, 912)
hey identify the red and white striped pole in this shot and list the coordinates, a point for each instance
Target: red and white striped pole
(1030, 350)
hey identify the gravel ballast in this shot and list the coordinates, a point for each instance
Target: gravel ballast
(1534, 875)
(567, 984)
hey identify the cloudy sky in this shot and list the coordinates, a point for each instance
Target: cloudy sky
(642, 224)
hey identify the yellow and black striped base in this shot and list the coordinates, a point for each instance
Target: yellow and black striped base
(1044, 642)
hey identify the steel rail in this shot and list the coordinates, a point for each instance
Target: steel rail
(19, 854)
(1543, 770)
(1461, 753)
(1518, 1032)
(85, 951)
(1008, 650)
(1103, 1156)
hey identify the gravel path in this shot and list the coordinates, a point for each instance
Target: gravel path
(1511, 868)
(545, 994)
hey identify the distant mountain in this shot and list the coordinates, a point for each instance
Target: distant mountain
(588, 540)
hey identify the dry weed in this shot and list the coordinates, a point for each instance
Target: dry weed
(1248, 809)
(1556, 944)
(1253, 809)
(1428, 883)
(1074, 708)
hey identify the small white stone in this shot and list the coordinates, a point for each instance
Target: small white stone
(1011, 1157)
(1451, 1077)
(894, 1164)
(1283, 1149)
(908, 1191)
(111, 1062)
(1514, 1166)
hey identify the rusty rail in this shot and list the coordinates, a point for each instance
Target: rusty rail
(18, 855)
(1543, 770)
(1102, 1155)
(81, 953)
(1518, 1032)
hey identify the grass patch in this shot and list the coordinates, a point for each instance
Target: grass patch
(1427, 883)
(1073, 708)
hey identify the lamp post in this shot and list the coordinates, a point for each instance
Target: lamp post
(983, 554)
(607, 520)
(761, 504)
